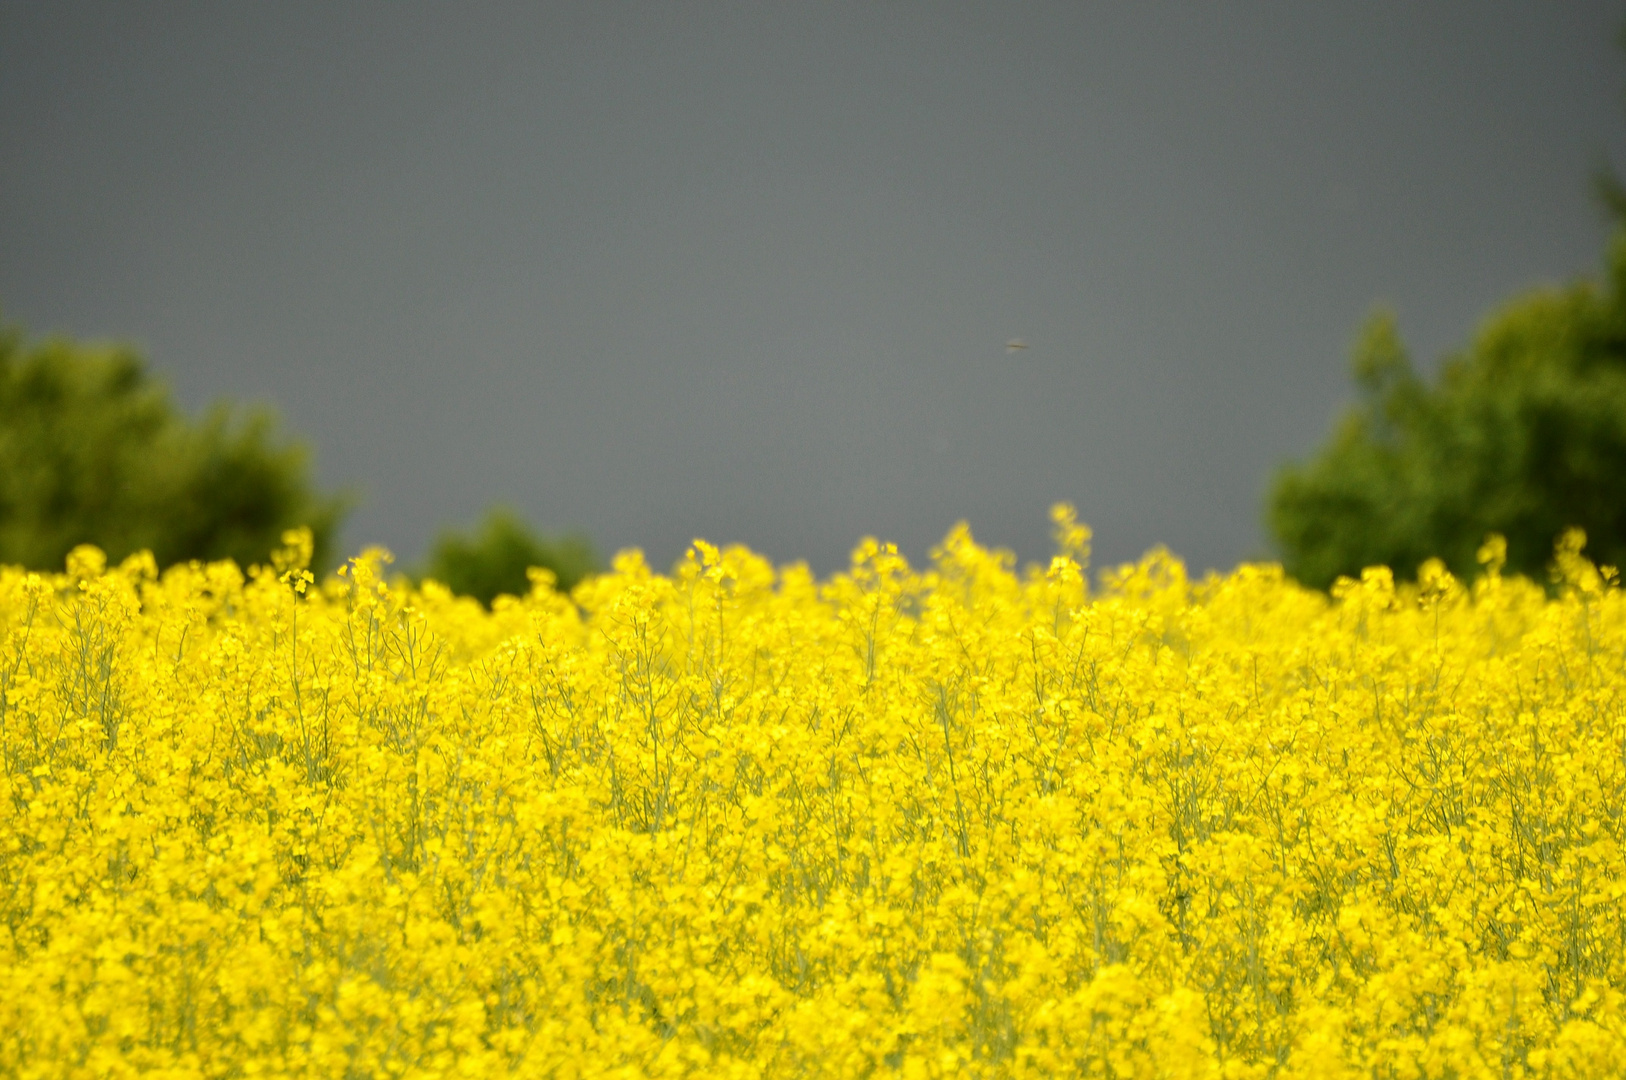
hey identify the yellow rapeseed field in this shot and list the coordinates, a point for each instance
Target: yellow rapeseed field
(738, 822)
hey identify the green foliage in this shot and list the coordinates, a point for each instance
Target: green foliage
(92, 450)
(496, 558)
(1522, 434)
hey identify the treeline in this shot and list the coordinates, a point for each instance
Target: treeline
(1522, 433)
(93, 450)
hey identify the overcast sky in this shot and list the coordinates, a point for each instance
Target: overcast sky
(746, 272)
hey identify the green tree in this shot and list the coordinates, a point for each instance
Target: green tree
(92, 450)
(1523, 433)
(495, 557)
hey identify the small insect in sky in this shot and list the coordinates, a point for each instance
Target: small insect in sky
(1014, 344)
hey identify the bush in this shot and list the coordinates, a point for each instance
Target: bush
(92, 450)
(1522, 434)
(496, 558)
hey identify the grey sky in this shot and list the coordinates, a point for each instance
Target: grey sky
(746, 271)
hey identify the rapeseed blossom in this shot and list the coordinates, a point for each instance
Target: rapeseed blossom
(735, 821)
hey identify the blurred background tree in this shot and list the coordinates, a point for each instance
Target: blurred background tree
(494, 559)
(1523, 433)
(92, 450)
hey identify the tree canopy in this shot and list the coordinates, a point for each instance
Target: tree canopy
(497, 557)
(1522, 433)
(93, 450)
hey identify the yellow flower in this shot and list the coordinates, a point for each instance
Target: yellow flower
(734, 821)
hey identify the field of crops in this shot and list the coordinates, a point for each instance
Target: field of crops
(735, 821)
